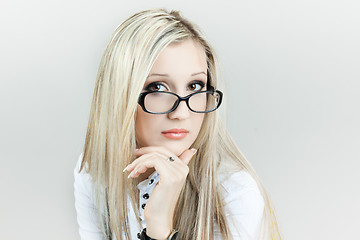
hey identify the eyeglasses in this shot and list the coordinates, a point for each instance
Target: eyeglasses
(158, 102)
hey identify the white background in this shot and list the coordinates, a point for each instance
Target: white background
(292, 101)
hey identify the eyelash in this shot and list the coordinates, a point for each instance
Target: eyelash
(149, 86)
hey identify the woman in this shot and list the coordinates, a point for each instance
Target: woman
(157, 161)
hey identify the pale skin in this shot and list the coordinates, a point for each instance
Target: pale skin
(180, 68)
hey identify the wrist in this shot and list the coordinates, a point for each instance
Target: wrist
(158, 228)
(159, 234)
(174, 235)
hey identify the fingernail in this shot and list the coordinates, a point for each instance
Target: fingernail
(136, 149)
(125, 168)
(194, 150)
(132, 173)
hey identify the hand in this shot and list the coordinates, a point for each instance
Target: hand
(159, 209)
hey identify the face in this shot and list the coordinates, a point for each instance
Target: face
(181, 68)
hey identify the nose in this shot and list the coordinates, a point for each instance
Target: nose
(181, 112)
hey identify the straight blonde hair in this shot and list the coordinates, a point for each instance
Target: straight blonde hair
(110, 138)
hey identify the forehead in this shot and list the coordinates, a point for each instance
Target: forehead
(181, 58)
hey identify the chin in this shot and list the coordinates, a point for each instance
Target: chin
(177, 148)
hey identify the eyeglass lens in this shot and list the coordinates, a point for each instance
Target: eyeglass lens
(159, 102)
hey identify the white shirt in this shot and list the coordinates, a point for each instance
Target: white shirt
(243, 204)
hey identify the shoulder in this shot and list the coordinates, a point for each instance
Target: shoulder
(235, 180)
(244, 204)
(78, 174)
(85, 204)
(241, 181)
(83, 181)
(239, 190)
(78, 163)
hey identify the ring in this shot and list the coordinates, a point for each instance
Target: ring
(171, 159)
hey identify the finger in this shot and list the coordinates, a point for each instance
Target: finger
(187, 155)
(132, 165)
(150, 149)
(150, 162)
(138, 170)
(169, 174)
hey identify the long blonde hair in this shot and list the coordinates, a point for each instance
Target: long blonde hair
(110, 138)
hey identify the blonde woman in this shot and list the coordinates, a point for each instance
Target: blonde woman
(157, 161)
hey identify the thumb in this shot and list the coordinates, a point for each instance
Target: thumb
(187, 155)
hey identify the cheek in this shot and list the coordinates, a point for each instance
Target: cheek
(197, 122)
(145, 124)
(140, 122)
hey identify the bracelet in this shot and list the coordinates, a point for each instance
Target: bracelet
(173, 236)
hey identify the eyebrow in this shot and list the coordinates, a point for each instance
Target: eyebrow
(167, 75)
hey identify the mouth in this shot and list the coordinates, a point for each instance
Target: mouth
(175, 133)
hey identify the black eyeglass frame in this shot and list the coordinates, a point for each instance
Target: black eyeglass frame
(141, 101)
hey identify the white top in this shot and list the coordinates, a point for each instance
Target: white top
(243, 203)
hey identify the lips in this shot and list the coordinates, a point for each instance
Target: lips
(175, 133)
(176, 130)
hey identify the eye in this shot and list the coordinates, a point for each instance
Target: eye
(196, 86)
(155, 86)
